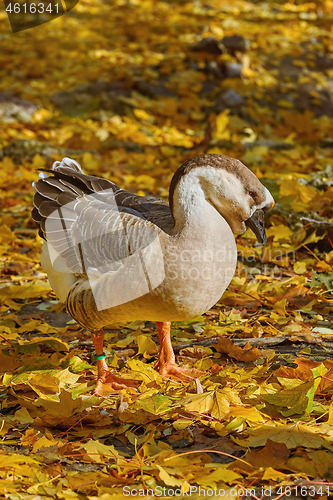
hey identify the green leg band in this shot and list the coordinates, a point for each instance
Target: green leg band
(98, 357)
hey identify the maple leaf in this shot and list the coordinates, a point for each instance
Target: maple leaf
(247, 353)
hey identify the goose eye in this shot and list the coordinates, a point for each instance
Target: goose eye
(252, 194)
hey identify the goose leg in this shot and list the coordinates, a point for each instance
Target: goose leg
(166, 360)
(107, 383)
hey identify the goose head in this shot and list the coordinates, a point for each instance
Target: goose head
(228, 185)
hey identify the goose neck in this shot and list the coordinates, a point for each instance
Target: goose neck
(189, 205)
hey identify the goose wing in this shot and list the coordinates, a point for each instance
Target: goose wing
(69, 182)
(90, 224)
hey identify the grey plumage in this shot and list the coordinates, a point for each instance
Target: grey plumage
(90, 222)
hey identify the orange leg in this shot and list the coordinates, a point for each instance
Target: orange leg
(107, 383)
(166, 360)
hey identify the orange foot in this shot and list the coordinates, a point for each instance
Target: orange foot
(173, 370)
(107, 383)
(166, 361)
(110, 384)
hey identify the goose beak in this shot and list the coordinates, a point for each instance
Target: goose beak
(257, 224)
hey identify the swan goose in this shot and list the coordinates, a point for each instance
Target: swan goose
(114, 256)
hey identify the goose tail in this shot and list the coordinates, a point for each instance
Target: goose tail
(58, 165)
(67, 162)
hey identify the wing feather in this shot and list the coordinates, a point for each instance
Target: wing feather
(92, 224)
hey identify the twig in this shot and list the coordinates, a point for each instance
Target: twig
(207, 451)
(311, 252)
(317, 221)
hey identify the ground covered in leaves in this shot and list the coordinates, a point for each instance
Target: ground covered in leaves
(131, 90)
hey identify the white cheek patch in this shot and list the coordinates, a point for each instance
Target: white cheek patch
(226, 192)
(225, 184)
(234, 189)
